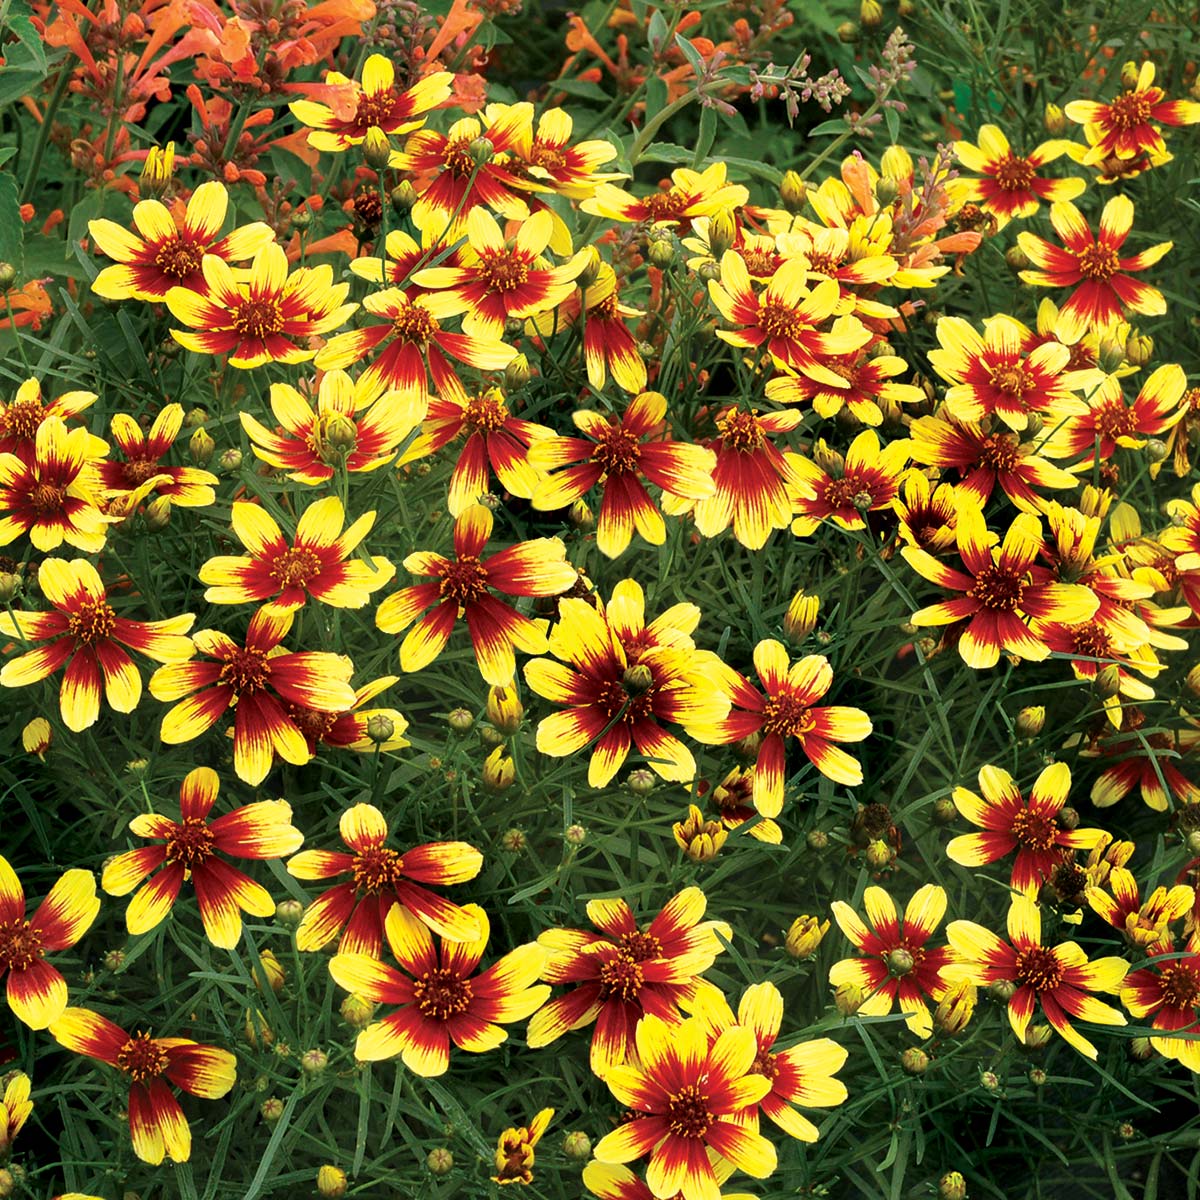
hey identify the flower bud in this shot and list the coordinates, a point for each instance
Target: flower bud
(1031, 720)
(1139, 349)
(944, 811)
(331, 1181)
(1141, 1049)
(1108, 681)
(661, 252)
(481, 151)
(801, 616)
(793, 191)
(1068, 818)
(591, 269)
(817, 839)
(956, 1008)
(580, 515)
(848, 32)
(517, 374)
(380, 728)
(440, 1161)
(272, 971)
(376, 148)
(499, 771)
(879, 854)
(1002, 990)
(709, 271)
(914, 1061)
(952, 1186)
(1055, 120)
(886, 190)
(1129, 76)
(460, 720)
(906, 8)
(357, 1011)
(1017, 259)
(1037, 1037)
(504, 708)
(113, 960)
(336, 436)
(230, 460)
(300, 220)
(36, 737)
(637, 679)
(699, 839)
(870, 14)
(900, 961)
(403, 196)
(1156, 450)
(747, 748)
(575, 835)
(1111, 354)
(641, 781)
(1192, 842)
(513, 840)
(313, 1062)
(1037, 1076)
(489, 735)
(157, 170)
(271, 1109)
(804, 935)
(289, 912)
(201, 448)
(158, 514)
(257, 1032)
(848, 998)
(722, 232)
(577, 1145)
(989, 1081)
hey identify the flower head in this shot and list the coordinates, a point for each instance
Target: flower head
(15, 1108)
(868, 386)
(1168, 992)
(24, 413)
(690, 194)
(142, 471)
(514, 1149)
(843, 489)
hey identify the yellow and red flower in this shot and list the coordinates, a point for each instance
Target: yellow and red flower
(690, 194)
(514, 1149)
(381, 879)
(543, 158)
(1059, 978)
(191, 848)
(24, 413)
(610, 1181)
(868, 381)
(1168, 992)
(440, 997)
(84, 634)
(266, 315)
(354, 728)
(15, 1108)
(1092, 264)
(256, 680)
(618, 455)
(688, 1097)
(315, 565)
(624, 972)
(1146, 760)
(900, 965)
(1145, 923)
(786, 709)
(844, 489)
(463, 588)
(1011, 823)
(36, 991)
(609, 348)
(167, 250)
(156, 1122)
(928, 514)
(733, 798)
(188, 487)
(402, 257)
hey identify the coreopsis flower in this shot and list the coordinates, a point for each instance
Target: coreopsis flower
(616, 690)
(53, 495)
(1059, 978)
(927, 513)
(733, 799)
(497, 282)
(1010, 822)
(165, 250)
(1168, 992)
(691, 194)
(463, 587)
(1011, 184)
(609, 348)
(1145, 923)
(36, 737)
(514, 1149)
(844, 489)
(858, 264)
(1108, 422)
(316, 564)
(157, 1125)
(785, 318)
(688, 1097)
(543, 158)
(440, 997)
(496, 443)
(358, 728)
(1092, 264)
(996, 375)
(24, 413)
(376, 103)
(381, 879)
(1124, 128)
(619, 454)
(83, 633)
(15, 1108)
(611, 1181)
(356, 424)
(142, 470)
(899, 964)
(403, 256)
(261, 315)
(1147, 760)
(198, 848)
(786, 708)
(699, 838)
(416, 349)
(1002, 590)
(983, 456)
(625, 971)
(36, 991)
(256, 680)
(868, 381)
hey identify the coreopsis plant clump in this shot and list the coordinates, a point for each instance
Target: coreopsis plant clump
(583, 612)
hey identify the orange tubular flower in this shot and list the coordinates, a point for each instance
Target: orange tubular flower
(1123, 128)
(355, 423)
(441, 998)
(264, 317)
(190, 849)
(170, 249)
(1103, 281)
(1058, 978)
(867, 382)
(54, 496)
(691, 194)
(1002, 591)
(381, 879)
(625, 972)
(899, 963)
(156, 1122)
(844, 490)
(620, 451)
(689, 1097)
(376, 103)
(188, 487)
(1011, 186)
(1009, 823)
(783, 319)
(85, 635)
(37, 992)
(315, 565)
(463, 589)
(498, 282)
(256, 680)
(786, 709)
(21, 417)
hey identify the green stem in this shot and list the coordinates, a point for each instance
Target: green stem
(39, 147)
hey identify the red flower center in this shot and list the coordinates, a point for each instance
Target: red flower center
(21, 419)
(1014, 174)
(1034, 830)
(464, 581)
(740, 431)
(503, 272)
(456, 157)
(786, 715)
(190, 842)
(1098, 261)
(824, 264)
(998, 588)
(760, 262)
(375, 108)
(246, 670)
(442, 994)
(179, 257)
(1180, 985)
(46, 499)
(313, 725)
(604, 310)
(778, 320)
(138, 470)
(1039, 969)
(1011, 379)
(618, 450)
(664, 206)
(486, 412)
(621, 979)
(1130, 110)
(92, 621)
(1091, 641)
(612, 698)
(687, 1113)
(258, 318)
(764, 1064)
(295, 567)
(549, 157)
(142, 1058)
(999, 452)
(1115, 420)
(639, 946)
(377, 869)
(20, 946)
(415, 324)
(851, 491)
